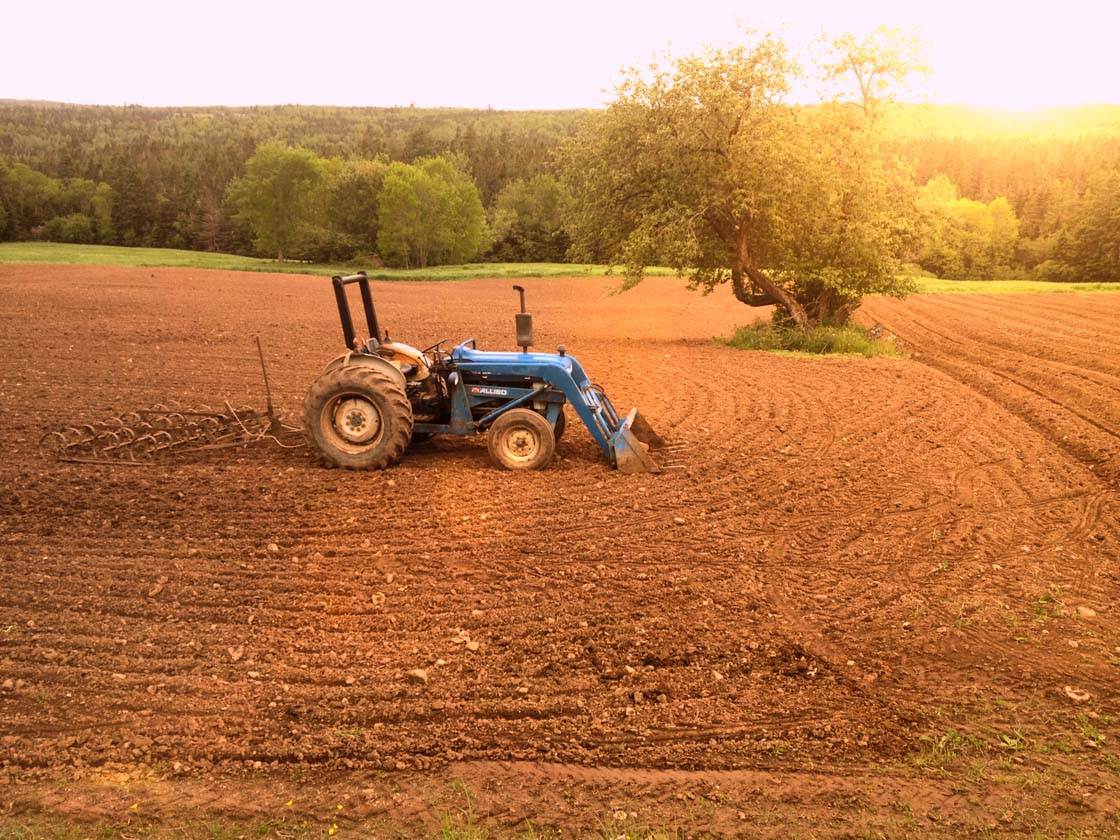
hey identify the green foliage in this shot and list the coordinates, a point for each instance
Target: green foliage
(878, 64)
(529, 220)
(818, 340)
(64, 209)
(73, 227)
(48, 252)
(963, 238)
(461, 827)
(298, 204)
(1093, 250)
(29, 197)
(159, 176)
(701, 165)
(275, 196)
(1055, 271)
(349, 200)
(938, 750)
(170, 167)
(101, 211)
(429, 213)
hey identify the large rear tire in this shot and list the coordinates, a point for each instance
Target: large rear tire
(521, 439)
(357, 417)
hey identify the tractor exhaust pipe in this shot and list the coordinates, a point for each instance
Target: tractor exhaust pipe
(524, 323)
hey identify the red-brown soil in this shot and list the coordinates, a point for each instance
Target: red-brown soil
(856, 610)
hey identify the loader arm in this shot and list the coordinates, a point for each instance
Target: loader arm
(620, 438)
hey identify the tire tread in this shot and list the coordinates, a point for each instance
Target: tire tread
(371, 380)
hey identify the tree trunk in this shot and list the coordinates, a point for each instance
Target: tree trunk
(829, 308)
(762, 291)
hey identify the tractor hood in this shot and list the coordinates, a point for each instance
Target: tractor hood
(523, 364)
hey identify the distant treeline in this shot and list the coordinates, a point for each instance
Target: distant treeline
(447, 185)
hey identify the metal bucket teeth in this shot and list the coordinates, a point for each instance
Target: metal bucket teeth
(673, 456)
(639, 449)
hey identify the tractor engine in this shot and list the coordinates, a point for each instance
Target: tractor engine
(426, 391)
(428, 399)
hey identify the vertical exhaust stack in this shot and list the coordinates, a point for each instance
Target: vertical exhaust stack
(524, 323)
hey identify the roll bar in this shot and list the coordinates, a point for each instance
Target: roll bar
(340, 283)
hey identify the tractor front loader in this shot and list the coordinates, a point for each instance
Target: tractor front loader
(379, 395)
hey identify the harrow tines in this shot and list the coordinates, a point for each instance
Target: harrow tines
(166, 429)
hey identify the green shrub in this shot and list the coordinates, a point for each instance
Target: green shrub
(320, 245)
(1055, 271)
(848, 339)
(73, 227)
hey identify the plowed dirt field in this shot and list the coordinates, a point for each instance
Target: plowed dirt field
(880, 597)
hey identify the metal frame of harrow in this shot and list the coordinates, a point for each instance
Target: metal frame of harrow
(146, 435)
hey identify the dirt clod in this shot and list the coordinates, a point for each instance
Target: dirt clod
(1077, 695)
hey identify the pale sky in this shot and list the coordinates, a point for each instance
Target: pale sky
(515, 55)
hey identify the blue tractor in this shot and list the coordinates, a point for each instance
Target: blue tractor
(380, 396)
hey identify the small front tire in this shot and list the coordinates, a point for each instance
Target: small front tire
(521, 439)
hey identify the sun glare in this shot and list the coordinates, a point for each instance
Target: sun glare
(522, 55)
(1022, 60)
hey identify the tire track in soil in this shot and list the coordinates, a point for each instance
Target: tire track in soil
(963, 365)
(949, 352)
(1046, 335)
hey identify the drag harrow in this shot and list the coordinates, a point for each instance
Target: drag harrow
(167, 431)
(162, 432)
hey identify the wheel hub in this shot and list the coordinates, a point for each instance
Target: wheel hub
(357, 420)
(521, 444)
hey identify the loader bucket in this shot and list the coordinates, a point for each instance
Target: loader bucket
(631, 443)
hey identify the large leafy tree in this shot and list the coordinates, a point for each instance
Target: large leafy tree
(429, 213)
(30, 197)
(702, 165)
(350, 199)
(275, 196)
(62, 209)
(343, 212)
